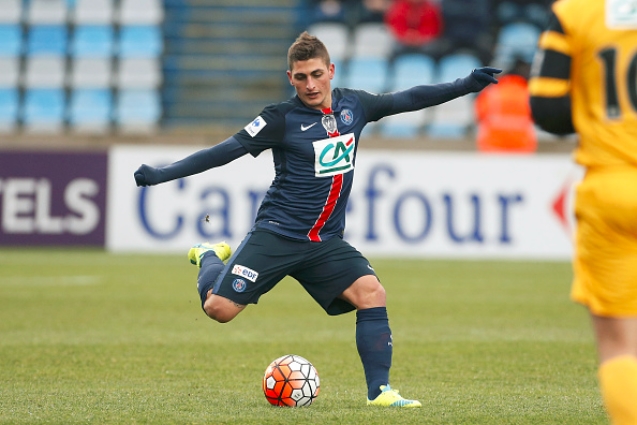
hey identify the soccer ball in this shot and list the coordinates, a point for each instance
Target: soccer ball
(291, 381)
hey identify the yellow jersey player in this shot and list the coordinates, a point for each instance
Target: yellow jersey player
(584, 80)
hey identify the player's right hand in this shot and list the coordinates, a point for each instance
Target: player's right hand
(146, 176)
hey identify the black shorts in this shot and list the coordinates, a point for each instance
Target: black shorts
(325, 269)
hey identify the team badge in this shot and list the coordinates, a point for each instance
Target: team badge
(239, 285)
(347, 116)
(329, 123)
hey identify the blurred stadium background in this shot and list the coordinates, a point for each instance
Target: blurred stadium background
(81, 81)
(134, 67)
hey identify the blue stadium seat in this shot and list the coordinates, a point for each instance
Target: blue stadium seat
(335, 36)
(340, 72)
(47, 40)
(10, 40)
(517, 40)
(45, 12)
(411, 70)
(10, 11)
(93, 41)
(453, 119)
(90, 110)
(368, 74)
(372, 39)
(137, 110)
(457, 65)
(90, 73)
(405, 125)
(408, 70)
(138, 73)
(44, 72)
(43, 110)
(140, 41)
(140, 12)
(9, 104)
(9, 71)
(93, 12)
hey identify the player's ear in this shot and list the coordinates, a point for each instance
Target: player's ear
(289, 74)
(330, 70)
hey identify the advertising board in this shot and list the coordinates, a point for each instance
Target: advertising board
(52, 198)
(403, 204)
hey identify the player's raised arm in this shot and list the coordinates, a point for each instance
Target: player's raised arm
(205, 159)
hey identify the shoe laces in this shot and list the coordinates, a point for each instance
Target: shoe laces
(393, 391)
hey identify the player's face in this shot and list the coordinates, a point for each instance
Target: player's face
(312, 81)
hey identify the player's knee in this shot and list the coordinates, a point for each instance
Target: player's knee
(218, 314)
(220, 311)
(366, 292)
(377, 293)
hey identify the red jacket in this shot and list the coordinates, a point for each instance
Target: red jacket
(414, 22)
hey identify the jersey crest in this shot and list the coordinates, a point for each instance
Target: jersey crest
(621, 14)
(334, 155)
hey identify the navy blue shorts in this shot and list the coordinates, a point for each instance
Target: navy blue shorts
(325, 269)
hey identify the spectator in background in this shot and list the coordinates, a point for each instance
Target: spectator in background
(372, 10)
(328, 11)
(349, 12)
(467, 28)
(503, 113)
(531, 11)
(416, 26)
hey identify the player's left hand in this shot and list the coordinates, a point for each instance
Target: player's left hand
(480, 78)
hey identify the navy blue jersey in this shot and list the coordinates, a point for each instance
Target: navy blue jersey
(315, 153)
(314, 156)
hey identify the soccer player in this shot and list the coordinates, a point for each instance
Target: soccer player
(584, 80)
(298, 230)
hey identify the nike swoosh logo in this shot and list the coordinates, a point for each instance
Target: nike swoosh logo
(307, 127)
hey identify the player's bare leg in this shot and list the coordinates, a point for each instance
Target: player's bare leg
(365, 292)
(220, 308)
(617, 345)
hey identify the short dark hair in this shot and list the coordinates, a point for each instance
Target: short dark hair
(307, 47)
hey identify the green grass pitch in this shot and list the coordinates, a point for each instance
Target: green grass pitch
(92, 337)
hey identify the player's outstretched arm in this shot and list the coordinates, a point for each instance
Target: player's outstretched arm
(205, 159)
(424, 96)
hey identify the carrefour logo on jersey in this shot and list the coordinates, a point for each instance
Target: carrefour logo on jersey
(334, 155)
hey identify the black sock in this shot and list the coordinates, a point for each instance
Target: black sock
(211, 267)
(374, 343)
